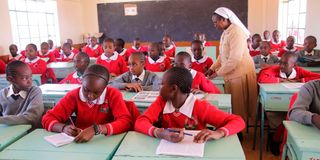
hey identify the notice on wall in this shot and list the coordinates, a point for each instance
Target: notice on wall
(130, 10)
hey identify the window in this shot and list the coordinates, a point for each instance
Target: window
(292, 19)
(33, 21)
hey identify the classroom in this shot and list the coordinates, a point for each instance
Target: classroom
(160, 79)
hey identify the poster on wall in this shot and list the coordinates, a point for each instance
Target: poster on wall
(130, 10)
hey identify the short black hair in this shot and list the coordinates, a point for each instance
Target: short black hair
(180, 77)
(33, 46)
(11, 69)
(158, 46)
(266, 42)
(255, 36)
(312, 38)
(290, 54)
(196, 42)
(44, 43)
(13, 45)
(97, 71)
(140, 55)
(275, 31)
(168, 36)
(121, 42)
(85, 56)
(184, 54)
(67, 45)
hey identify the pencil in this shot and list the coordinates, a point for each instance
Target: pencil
(71, 121)
(187, 134)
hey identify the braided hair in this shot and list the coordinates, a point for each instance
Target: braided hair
(180, 77)
(11, 69)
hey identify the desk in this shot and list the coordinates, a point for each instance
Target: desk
(33, 146)
(61, 69)
(303, 142)
(36, 80)
(273, 98)
(11, 133)
(225, 148)
(312, 69)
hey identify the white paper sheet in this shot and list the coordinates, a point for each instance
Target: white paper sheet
(292, 85)
(58, 87)
(59, 139)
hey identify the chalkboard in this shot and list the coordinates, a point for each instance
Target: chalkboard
(178, 18)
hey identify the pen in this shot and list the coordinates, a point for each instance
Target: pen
(170, 130)
(71, 121)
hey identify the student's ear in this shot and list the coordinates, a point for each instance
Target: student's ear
(10, 79)
(174, 88)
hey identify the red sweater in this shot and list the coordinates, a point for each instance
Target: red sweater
(253, 52)
(96, 52)
(285, 50)
(72, 78)
(38, 67)
(74, 50)
(161, 65)
(272, 75)
(67, 59)
(170, 51)
(202, 65)
(113, 113)
(117, 66)
(2, 67)
(50, 55)
(56, 52)
(203, 113)
(276, 47)
(133, 49)
(206, 44)
(125, 54)
(201, 82)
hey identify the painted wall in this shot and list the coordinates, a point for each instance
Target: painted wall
(5, 28)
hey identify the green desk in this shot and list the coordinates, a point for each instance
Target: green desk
(11, 133)
(303, 142)
(61, 69)
(34, 147)
(137, 146)
(36, 80)
(312, 69)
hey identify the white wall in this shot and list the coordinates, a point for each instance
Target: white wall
(5, 28)
(312, 20)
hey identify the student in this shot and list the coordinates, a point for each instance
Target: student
(119, 48)
(137, 47)
(178, 109)
(99, 109)
(44, 52)
(306, 109)
(67, 54)
(14, 53)
(36, 64)
(137, 78)
(53, 49)
(276, 44)
(81, 62)
(111, 59)
(265, 59)
(255, 44)
(289, 48)
(170, 49)
(200, 83)
(93, 49)
(20, 103)
(200, 63)
(2, 67)
(204, 41)
(287, 71)
(155, 61)
(308, 53)
(266, 36)
(73, 50)
(196, 36)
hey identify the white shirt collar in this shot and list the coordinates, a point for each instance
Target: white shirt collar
(141, 76)
(309, 54)
(290, 50)
(94, 47)
(186, 108)
(273, 42)
(160, 60)
(262, 56)
(202, 60)
(251, 49)
(75, 75)
(22, 93)
(203, 43)
(170, 47)
(99, 100)
(33, 61)
(291, 76)
(137, 49)
(123, 52)
(112, 58)
(268, 40)
(44, 54)
(69, 57)
(193, 72)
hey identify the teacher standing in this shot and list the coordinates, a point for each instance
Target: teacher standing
(235, 63)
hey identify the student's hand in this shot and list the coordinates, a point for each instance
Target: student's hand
(197, 91)
(134, 86)
(285, 80)
(316, 120)
(85, 135)
(211, 74)
(169, 135)
(71, 130)
(206, 134)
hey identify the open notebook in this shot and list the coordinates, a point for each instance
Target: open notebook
(59, 139)
(184, 148)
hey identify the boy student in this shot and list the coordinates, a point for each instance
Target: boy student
(200, 83)
(254, 45)
(99, 109)
(67, 54)
(155, 61)
(20, 103)
(289, 48)
(53, 49)
(306, 109)
(73, 50)
(111, 59)
(177, 109)
(93, 49)
(119, 48)
(308, 53)
(170, 49)
(14, 53)
(286, 71)
(81, 62)
(265, 59)
(136, 47)
(200, 63)
(266, 36)
(44, 52)
(137, 78)
(276, 44)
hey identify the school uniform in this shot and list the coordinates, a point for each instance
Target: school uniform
(23, 53)
(95, 51)
(2, 67)
(38, 66)
(124, 54)
(55, 51)
(25, 107)
(73, 78)
(160, 65)
(108, 110)
(268, 40)
(69, 58)
(275, 47)
(285, 50)
(253, 52)
(201, 82)
(194, 114)
(261, 59)
(148, 80)
(74, 50)
(49, 55)
(302, 55)
(273, 74)
(206, 44)
(170, 51)
(202, 65)
(133, 49)
(18, 57)
(115, 64)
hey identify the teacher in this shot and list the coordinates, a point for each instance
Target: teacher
(235, 63)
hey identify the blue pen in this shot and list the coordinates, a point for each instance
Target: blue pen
(170, 130)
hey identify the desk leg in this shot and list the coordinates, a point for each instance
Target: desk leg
(256, 127)
(261, 132)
